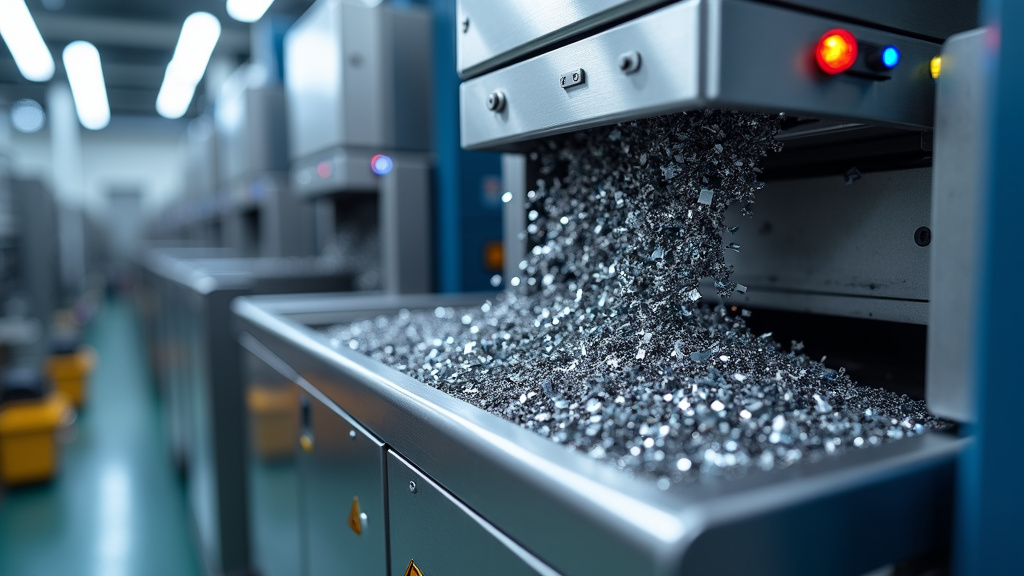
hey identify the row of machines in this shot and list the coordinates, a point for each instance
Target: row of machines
(325, 155)
(186, 294)
(312, 173)
(353, 466)
(47, 252)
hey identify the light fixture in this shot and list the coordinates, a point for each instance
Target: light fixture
(248, 10)
(19, 31)
(199, 35)
(27, 116)
(85, 74)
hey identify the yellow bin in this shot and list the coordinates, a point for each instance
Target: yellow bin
(273, 420)
(28, 443)
(70, 373)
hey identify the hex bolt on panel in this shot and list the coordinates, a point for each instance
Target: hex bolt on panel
(496, 101)
(629, 62)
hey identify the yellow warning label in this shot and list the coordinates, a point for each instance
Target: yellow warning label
(413, 570)
(355, 521)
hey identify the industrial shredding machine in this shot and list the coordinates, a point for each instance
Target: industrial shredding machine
(358, 87)
(201, 384)
(261, 216)
(865, 215)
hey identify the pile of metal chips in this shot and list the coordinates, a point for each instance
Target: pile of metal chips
(605, 344)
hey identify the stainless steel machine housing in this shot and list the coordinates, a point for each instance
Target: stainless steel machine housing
(261, 216)
(358, 85)
(536, 508)
(203, 393)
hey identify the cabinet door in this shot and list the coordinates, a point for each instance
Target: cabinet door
(272, 407)
(342, 474)
(441, 536)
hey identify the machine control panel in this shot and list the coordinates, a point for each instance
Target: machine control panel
(706, 53)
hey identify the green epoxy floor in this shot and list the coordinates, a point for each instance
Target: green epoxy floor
(116, 507)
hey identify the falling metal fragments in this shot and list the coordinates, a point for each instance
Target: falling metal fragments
(610, 349)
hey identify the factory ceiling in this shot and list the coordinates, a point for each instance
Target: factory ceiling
(135, 39)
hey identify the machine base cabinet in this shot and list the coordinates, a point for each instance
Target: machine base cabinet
(341, 469)
(437, 534)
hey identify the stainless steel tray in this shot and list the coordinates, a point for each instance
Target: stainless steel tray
(843, 515)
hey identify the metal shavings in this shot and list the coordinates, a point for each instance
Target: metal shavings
(706, 196)
(613, 353)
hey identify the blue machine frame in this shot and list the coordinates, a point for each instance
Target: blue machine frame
(991, 497)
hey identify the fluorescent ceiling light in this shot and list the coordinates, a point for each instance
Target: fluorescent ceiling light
(199, 35)
(19, 31)
(173, 99)
(248, 10)
(85, 74)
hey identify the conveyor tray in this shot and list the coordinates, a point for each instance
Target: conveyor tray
(847, 514)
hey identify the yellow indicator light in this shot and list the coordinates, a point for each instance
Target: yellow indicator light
(306, 441)
(936, 67)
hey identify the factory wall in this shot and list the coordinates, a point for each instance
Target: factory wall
(139, 152)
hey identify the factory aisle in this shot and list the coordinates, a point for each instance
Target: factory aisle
(116, 508)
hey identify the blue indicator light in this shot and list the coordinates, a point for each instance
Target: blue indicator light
(890, 57)
(381, 164)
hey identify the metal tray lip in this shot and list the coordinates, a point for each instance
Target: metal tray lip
(244, 273)
(668, 519)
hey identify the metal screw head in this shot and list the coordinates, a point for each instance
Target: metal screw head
(412, 486)
(923, 236)
(352, 434)
(629, 62)
(496, 101)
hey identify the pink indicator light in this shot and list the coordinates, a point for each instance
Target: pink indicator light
(323, 170)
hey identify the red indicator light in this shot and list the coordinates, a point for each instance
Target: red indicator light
(323, 170)
(836, 51)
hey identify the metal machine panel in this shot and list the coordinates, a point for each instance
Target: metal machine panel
(272, 406)
(960, 155)
(431, 528)
(343, 491)
(358, 83)
(332, 170)
(557, 504)
(823, 237)
(207, 396)
(202, 157)
(492, 33)
(332, 65)
(37, 254)
(694, 54)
